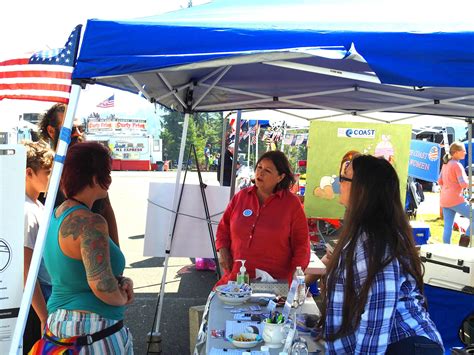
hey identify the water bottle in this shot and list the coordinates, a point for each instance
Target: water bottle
(299, 347)
(301, 291)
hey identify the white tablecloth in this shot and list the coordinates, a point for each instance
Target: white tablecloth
(217, 316)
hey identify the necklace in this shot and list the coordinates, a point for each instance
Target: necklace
(80, 202)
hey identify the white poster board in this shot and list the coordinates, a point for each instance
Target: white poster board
(12, 203)
(191, 238)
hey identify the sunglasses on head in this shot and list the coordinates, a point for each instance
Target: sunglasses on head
(343, 178)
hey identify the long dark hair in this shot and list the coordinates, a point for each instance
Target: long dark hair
(282, 165)
(375, 208)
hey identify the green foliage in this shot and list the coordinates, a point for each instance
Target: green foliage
(204, 128)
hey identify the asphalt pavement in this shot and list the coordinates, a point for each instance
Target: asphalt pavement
(185, 286)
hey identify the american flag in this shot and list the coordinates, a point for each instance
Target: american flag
(254, 130)
(110, 102)
(43, 76)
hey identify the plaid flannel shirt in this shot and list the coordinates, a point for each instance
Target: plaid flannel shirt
(394, 308)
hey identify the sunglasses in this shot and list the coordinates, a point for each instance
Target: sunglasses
(343, 178)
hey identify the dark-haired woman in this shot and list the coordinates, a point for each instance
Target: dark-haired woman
(265, 224)
(374, 287)
(89, 292)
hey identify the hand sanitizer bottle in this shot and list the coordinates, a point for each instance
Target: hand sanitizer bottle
(242, 276)
(301, 292)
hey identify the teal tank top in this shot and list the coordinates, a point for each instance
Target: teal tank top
(68, 276)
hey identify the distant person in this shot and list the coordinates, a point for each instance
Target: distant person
(86, 308)
(227, 174)
(373, 301)
(207, 156)
(49, 128)
(453, 180)
(264, 224)
(215, 162)
(39, 160)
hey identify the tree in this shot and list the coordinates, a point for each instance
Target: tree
(204, 128)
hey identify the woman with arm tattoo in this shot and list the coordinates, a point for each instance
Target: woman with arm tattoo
(89, 292)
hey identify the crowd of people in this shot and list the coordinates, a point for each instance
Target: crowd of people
(373, 298)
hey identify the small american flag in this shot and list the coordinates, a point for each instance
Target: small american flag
(110, 102)
(43, 76)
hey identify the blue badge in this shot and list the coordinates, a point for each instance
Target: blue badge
(247, 213)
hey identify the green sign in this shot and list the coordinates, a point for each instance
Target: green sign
(328, 142)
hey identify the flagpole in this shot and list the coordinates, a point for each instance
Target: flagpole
(257, 133)
(283, 140)
(249, 136)
(16, 347)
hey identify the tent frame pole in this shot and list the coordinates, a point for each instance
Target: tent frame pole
(64, 137)
(170, 233)
(469, 159)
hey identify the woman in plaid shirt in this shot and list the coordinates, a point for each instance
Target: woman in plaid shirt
(374, 291)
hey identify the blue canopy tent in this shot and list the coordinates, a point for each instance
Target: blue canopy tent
(290, 54)
(340, 55)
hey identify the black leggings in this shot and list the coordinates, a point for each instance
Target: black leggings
(416, 345)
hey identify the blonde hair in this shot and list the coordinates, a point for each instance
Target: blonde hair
(453, 148)
(38, 155)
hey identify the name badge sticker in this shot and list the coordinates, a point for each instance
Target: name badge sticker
(247, 213)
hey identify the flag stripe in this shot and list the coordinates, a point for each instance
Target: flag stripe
(44, 75)
(34, 86)
(36, 68)
(36, 98)
(36, 80)
(34, 74)
(35, 92)
(10, 62)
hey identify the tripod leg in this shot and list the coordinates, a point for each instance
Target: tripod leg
(208, 216)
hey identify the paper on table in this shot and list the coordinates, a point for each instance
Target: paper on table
(215, 351)
(237, 327)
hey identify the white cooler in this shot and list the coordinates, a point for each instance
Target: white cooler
(448, 266)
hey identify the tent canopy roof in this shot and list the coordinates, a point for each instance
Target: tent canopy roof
(351, 57)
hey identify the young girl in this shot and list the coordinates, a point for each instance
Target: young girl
(453, 180)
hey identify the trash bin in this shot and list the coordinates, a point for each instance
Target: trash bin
(159, 165)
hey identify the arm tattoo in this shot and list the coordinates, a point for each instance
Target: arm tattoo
(107, 285)
(73, 226)
(96, 255)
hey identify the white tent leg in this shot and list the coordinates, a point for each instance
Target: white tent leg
(175, 206)
(15, 347)
(469, 161)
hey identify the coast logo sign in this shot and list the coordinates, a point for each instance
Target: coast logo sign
(433, 154)
(356, 133)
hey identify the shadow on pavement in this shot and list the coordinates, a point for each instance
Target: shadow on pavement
(141, 236)
(151, 262)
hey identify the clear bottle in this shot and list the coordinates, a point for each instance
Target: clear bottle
(301, 291)
(300, 347)
(265, 350)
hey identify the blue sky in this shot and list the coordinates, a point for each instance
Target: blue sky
(47, 24)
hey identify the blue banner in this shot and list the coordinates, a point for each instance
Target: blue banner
(424, 160)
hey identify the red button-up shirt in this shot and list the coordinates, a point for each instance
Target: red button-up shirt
(272, 237)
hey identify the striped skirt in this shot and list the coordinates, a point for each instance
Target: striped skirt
(65, 324)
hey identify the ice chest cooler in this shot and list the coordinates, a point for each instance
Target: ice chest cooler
(449, 288)
(421, 232)
(448, 266)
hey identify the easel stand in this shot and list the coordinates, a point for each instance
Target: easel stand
(154, 337)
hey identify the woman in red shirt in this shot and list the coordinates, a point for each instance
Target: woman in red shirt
(264, 224)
